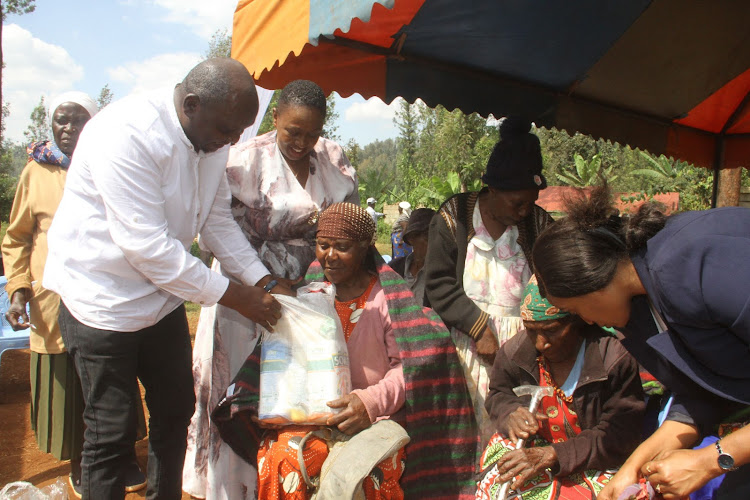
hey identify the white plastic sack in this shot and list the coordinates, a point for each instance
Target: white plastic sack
(21, 490)
(304, 362)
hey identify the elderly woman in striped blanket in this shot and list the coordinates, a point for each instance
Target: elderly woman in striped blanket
(404, 368)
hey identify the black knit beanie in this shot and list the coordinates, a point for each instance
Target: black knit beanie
(516, 161)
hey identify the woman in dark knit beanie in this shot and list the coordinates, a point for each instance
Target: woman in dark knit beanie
(479, 257)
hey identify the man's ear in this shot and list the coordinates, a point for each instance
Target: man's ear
(191, 103)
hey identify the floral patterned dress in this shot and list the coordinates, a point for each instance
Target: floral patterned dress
(279, 218)
(495, 275)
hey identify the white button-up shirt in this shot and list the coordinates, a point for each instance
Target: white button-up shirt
(136, 196)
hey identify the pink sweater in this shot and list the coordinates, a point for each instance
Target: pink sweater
(374, 360)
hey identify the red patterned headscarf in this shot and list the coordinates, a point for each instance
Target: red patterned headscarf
(346, 221)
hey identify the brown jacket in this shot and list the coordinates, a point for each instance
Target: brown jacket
(608, 399)
(24, 248)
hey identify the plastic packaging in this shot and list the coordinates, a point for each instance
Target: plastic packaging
(304, 362)
(21, 490)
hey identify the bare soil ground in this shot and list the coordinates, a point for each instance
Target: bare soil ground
(20, 459)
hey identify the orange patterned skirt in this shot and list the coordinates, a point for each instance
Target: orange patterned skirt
(279, 475)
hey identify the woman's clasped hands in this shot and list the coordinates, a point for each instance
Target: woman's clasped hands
(525, 463)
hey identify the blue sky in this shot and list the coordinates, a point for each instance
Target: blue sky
(134, 46)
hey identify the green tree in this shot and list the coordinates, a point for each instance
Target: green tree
(12, 160)
(266, 124)
(379, 155)
(220, 45)
(105, 97)
(353, 152)
(12, 156)
(378, 183)
(377, 171)
(406, 121)
(664, 175)
(461, 146)
(696, 188)
(19, 7)
(330, 128)
(662, 171)
(435, 190)
(38, 129)
(586, 173)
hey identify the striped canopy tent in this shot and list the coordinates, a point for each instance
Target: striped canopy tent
(668, 76)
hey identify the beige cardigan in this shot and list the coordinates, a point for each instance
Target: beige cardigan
(24, 248)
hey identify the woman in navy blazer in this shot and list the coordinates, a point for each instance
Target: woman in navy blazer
(679, 290)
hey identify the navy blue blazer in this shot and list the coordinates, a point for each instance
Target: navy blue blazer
(697, 274)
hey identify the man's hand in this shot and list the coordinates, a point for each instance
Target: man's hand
(353, 418)
(16, 315)
(487, 345)
(522, 424)
(252, 302)
(524, 464)
(283, 286)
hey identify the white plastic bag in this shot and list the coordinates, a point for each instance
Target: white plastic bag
(304, 362)
(21, 490)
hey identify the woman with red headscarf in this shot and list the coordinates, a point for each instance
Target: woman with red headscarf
(344, 250)
(404, 368)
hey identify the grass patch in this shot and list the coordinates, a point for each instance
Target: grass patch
(192, 307)
(383, 248)
(193, 312)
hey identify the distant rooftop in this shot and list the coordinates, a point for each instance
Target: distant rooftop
(553, 199)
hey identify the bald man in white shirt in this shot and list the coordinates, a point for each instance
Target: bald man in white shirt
(148, 175)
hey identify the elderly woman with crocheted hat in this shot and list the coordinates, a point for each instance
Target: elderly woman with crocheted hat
(588, 426)
(403, 367)
(56, 398)
(479, 256)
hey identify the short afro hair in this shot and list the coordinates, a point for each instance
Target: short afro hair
(303, 93)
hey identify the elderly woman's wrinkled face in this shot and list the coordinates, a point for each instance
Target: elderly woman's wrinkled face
(67, 122)
(556, 340)
(342, 260)
(298, 130)
(511, 207)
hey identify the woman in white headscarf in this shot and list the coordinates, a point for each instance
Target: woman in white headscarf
(56, 398)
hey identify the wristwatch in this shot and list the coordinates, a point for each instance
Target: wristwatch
(269, 286)
(726, 461)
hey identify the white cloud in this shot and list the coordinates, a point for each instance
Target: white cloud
(203, 17)
(33, 68)
(371, 109)
(154, 73)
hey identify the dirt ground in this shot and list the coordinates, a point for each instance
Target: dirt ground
(20, 459)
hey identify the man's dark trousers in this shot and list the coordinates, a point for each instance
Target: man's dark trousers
(108, 364)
